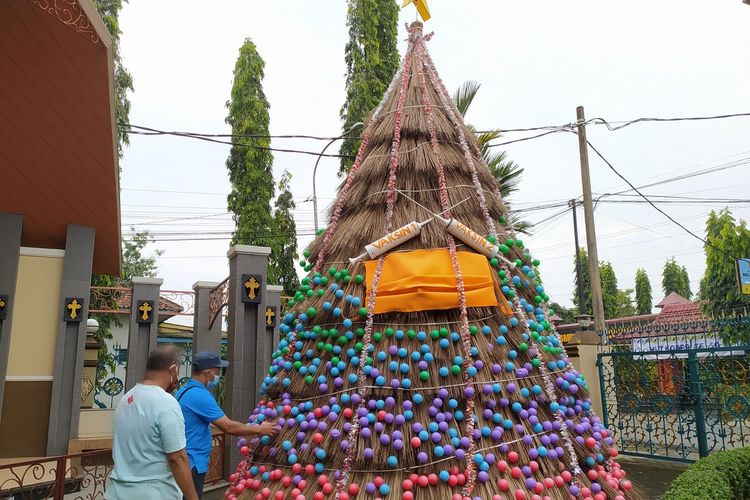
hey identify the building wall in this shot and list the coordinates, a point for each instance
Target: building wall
(31, 359)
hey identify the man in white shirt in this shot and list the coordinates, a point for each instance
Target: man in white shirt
(148, 444)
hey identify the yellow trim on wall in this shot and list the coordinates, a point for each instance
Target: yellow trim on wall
(36, 316)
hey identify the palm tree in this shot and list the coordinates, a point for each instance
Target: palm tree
(507, 173)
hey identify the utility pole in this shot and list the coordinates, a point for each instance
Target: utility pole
(588, 213)
(579, 279)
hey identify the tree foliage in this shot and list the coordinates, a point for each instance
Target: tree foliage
(506, 172)
(568, 314)
(371, 61)
(617, 303)
(610, 292)
(284, 252)
(250, 168)
(109, 10)
(643, 297)
(728, 240)
(134, 264)
(674, 278)
(625, 304)
(586, 307)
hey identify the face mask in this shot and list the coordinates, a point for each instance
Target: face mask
(212, 384)
(172, 384)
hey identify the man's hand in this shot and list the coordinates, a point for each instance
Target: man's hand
(266, 429)
(235, 428)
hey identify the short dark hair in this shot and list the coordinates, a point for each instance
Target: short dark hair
(161, 358)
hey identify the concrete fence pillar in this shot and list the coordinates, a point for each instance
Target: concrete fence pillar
(65, 402)
(246, 319)
(205, 338)
(144, 325)
(10, 246)
(588, 348)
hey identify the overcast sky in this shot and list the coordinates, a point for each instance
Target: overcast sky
(536, 61)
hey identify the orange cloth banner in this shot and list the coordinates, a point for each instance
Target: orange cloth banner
(424, 280)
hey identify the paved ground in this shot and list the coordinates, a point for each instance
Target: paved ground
(216, 494)
(651, 476)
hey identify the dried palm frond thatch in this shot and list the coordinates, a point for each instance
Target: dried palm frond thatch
(458, 403)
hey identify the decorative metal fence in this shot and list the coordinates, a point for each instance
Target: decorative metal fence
(678, 391)
(215, 472)
(74, 477)
(81, 476)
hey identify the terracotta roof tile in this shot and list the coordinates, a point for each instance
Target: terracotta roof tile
(680, 313)
(672, 298)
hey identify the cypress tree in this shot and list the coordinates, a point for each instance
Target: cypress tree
(250, 167)
(371, 60)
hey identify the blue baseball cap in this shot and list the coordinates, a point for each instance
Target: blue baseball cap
(206, 360)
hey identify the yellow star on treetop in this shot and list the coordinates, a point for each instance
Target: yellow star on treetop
(422, 8)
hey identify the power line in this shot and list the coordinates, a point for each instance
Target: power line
(705, 242)
(602, 121)
(537, 136)
(153, 131)
(209, 138)
(548, 128)
(717, 168)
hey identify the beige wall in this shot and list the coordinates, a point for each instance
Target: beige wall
(36, 315)
(95, 423)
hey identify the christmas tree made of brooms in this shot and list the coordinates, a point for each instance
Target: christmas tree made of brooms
(417, 358)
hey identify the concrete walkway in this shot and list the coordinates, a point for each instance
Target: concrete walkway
(652, 477)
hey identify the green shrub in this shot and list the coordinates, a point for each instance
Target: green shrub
(723, 475)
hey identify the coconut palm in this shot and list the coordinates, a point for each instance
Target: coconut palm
(506, 172)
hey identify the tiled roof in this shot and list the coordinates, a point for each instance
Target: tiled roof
(125, 300)
(672, 298)
(556, 319)
(680, 313)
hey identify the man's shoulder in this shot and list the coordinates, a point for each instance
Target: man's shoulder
(194, 391)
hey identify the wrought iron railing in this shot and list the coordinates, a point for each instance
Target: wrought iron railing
(108, 300)
(76, 477)
(704, 333)
(215, 472)
(185, 299)
(678, 390)
(80, 476)
(218, 299)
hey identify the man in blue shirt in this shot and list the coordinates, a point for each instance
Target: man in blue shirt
(200, 410)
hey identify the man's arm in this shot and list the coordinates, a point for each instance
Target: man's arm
(180, 466)
(234, 428)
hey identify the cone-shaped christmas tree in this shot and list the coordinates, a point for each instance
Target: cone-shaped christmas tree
(417, 359)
